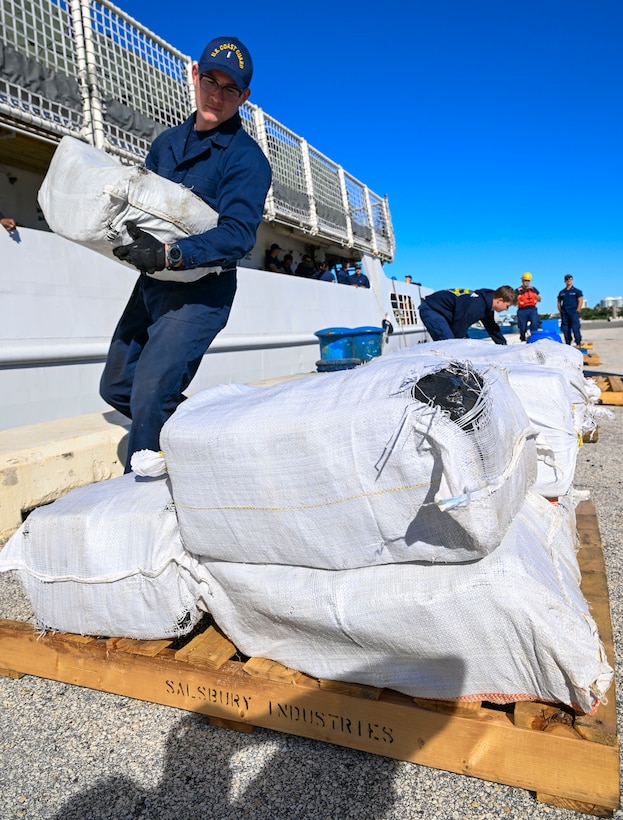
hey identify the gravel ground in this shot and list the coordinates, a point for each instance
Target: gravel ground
(70, 752)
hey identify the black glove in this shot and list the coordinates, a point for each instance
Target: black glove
(146, 253)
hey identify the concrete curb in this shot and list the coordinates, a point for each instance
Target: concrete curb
(40, 462)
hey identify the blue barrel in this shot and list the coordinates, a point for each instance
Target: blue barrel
(550, 325)
(336, 343)
(367, 342)
(544, 334)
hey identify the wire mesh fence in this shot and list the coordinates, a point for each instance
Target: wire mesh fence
(39, 66)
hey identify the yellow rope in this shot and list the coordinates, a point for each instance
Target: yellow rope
(309, 506)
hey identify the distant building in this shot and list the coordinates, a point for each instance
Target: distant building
(612, 301)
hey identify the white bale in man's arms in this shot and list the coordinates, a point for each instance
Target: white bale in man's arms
(88, 196)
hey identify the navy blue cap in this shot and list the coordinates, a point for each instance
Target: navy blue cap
(228, 54)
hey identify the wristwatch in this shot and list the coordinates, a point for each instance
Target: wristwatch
(174, 256)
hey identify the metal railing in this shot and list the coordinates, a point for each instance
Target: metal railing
(85, 68)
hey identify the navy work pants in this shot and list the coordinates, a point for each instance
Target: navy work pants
(527, 316)
(157, 348)
(570, 323)
(435, 323)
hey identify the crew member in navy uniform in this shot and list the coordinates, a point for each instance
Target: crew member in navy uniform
(167, 326)
(305, 268)
(359, 279)
(271, 259)
(570, 303)
(448, 314)
(527, 299)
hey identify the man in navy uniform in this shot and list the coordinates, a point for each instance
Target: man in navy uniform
(272, 261)
(448, 314)
(305, 267)
(570, 303)
(167, 326)
(358, 278)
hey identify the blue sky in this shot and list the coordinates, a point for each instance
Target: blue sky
(494, 126)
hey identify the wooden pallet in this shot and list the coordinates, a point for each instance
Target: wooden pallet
(591, 359)
(611, 389)
(568, 759)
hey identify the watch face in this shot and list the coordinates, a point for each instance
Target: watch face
(174, 254)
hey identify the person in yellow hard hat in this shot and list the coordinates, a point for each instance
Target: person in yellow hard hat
(527, 299)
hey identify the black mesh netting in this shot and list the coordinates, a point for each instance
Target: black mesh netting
(456, 390)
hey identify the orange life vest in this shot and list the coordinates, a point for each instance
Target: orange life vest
(526, 297)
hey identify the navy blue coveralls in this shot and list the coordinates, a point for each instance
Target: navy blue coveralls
(568, 300)
(166, 327)
(448, 314)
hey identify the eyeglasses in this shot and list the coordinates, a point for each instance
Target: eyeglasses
(210, 86)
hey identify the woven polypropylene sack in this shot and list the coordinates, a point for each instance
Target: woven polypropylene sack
(513, 626)
(544, 353)
(88, 196)
(107, 560)
(544, 392)
(348, 469)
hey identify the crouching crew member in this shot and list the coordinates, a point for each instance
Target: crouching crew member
(448, 314)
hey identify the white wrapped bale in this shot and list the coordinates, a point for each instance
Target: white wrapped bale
(350, 469)
(544, 353)
(107, 559)
(88, 196)
(512, 626)
(545, 394)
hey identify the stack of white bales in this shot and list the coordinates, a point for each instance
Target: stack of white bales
(354, 530)
(345, 525)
